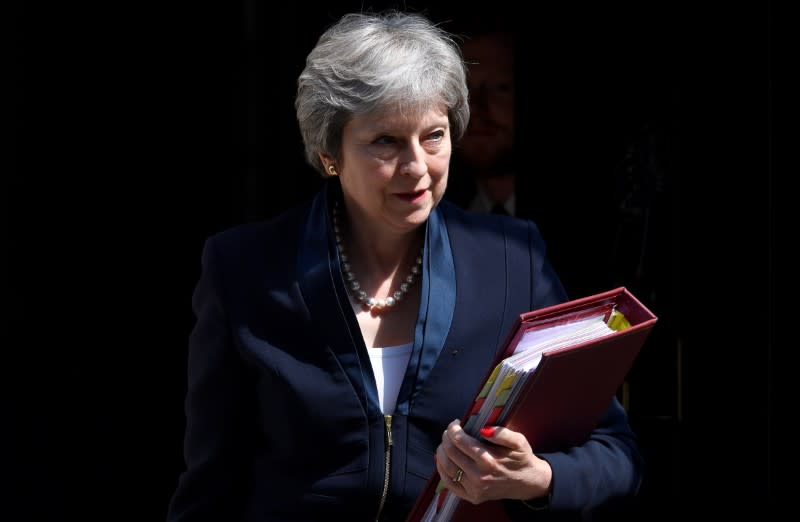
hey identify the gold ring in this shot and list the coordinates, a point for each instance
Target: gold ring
(457, 477)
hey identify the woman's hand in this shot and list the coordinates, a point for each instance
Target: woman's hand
(503, 467)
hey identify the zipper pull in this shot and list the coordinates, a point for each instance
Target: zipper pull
(387, 419)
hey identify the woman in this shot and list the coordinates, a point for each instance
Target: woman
(335, 345)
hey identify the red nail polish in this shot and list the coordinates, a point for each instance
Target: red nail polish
(488, 431)
(440, 499)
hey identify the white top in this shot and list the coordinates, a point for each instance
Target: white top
(389, 366)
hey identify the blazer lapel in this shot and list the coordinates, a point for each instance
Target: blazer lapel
(437, 300)
(326, 298)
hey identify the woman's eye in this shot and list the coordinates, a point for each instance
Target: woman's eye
(384, 140)
(435, 136)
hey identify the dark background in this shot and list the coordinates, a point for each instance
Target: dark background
(136, 131)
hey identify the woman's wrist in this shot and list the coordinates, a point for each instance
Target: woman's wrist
(545, 475)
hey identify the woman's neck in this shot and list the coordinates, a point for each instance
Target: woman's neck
(380, 259)
(381, 252)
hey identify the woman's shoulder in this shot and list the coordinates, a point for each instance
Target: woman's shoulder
(259, 245)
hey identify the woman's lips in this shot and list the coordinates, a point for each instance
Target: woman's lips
(412, 197)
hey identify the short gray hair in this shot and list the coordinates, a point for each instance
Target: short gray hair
(368, 62)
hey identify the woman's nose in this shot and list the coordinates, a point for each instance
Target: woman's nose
(413, 160)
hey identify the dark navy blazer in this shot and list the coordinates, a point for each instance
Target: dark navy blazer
(283, 420)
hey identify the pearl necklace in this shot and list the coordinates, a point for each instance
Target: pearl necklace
(372, 304)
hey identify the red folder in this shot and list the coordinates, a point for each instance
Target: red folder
(566, 394)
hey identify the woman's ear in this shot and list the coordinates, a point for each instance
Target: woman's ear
(326, 160)
(329, 165)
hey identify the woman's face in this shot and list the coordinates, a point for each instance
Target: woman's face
(394, 166)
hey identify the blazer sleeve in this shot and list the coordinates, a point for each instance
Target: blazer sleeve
(604, 470)
(215, 407)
